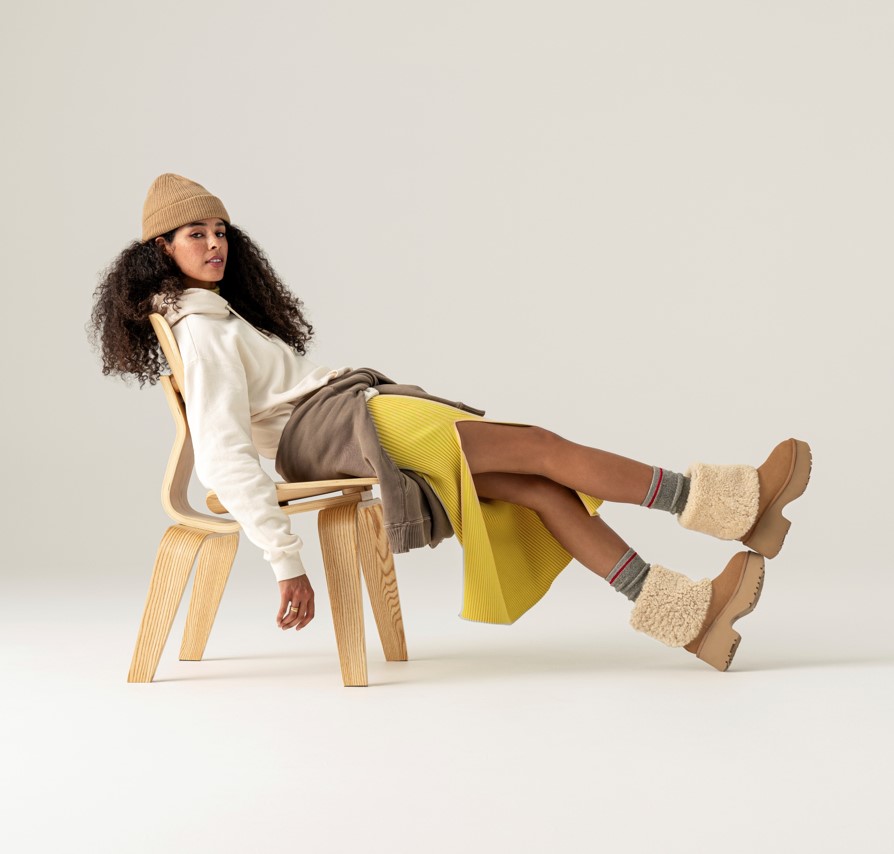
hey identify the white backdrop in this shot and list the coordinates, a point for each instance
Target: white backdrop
(663, 229)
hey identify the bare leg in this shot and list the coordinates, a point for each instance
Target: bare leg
(688, 616)
(588, 538)
(517, 449)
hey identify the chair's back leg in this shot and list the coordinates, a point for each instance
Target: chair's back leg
(338, 538)
(381, 581)
(215, 560)
(176, 555)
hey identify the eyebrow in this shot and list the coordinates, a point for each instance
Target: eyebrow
(202, 224)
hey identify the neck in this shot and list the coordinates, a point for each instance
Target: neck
(198, 283)
(205, 286)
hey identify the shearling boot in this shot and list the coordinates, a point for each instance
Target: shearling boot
(699, 615)
(743, 503)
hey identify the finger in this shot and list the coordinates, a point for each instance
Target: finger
(300, 617)
(294, 611)
(283, 611)
(308, 615)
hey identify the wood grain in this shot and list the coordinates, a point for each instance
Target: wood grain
(381, 581)
(215, 560)
(176, 555)
(175, 483)
(338, 538)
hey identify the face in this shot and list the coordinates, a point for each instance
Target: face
(200, 251)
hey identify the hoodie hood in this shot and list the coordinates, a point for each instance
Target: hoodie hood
(194, 301)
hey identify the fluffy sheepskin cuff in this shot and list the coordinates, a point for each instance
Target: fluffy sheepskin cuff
(723, 500)
(671, 607)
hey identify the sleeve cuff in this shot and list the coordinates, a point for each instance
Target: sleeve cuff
(288, 566)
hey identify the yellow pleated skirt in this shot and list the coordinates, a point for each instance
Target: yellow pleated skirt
(510, 559)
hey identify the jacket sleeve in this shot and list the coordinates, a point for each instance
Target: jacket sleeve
(226, 460)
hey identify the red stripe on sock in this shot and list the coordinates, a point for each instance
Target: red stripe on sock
(612, 581)
(657, 487)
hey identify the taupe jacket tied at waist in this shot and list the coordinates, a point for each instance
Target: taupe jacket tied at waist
(331, 434)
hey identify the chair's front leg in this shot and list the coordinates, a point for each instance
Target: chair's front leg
(215, 561)
(176, 555)
(338, 538)
(381, 581)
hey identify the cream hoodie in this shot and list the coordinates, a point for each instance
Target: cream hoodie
(241, 385)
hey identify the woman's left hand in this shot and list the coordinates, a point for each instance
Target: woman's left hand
(295, 593)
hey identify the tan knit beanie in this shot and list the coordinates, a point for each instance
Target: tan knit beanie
(173, 201)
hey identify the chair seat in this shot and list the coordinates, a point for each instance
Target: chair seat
(286, 492)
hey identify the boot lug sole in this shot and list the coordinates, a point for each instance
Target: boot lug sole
(770, 532)
(719, 645)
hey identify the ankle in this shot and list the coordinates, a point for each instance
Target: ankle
(668, 490)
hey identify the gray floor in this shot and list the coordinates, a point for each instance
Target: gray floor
(567, 731)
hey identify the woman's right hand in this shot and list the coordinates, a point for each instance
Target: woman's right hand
(295, 593)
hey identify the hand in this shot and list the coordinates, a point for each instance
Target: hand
(295, 593)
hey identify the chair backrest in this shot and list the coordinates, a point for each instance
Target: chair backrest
(174, 487)
(169, 347)
(174, 497)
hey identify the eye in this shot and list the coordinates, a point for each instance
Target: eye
(196, 234)
(222, 234)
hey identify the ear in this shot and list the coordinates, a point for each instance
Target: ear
(160, 241)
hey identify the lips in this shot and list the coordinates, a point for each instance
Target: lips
(217, 261)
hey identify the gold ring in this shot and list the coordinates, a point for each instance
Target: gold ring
(293, 608)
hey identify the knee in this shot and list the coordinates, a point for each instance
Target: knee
(494, 446)
(547, 447)
(543, 438)
(535, 441)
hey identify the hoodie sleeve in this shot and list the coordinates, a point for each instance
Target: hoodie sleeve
(226, 460)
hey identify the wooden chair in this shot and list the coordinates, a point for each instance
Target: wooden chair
(215, 541)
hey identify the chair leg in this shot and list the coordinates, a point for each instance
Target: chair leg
(338, 538)
(381, 582)
(215, 560)
(176, 555)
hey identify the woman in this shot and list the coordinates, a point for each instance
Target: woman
(520, 498)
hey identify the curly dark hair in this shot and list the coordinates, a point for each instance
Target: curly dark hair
(122, 303)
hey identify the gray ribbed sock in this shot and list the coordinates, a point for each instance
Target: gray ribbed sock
(668, 491)
(628, 574)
